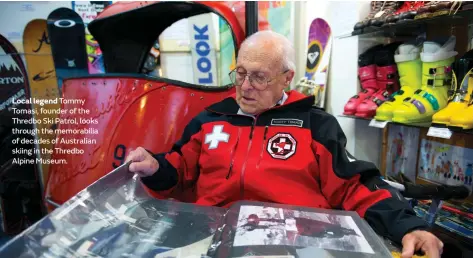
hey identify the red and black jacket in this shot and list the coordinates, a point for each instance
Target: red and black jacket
(291, 154)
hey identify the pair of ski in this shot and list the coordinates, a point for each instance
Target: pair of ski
(53, 49)
(314, 81)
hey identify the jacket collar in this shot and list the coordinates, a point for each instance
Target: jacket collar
(294, 100)
(280, 102)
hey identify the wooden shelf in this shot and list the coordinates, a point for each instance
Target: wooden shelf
(418, 125)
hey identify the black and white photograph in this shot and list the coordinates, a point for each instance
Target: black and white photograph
(259, 225)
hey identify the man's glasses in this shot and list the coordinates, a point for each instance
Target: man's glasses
(259, 82)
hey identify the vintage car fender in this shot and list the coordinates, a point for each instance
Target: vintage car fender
(127, 109)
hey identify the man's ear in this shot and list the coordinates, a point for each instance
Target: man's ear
(289, 76)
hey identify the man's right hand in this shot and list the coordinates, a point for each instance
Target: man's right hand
(142, 163)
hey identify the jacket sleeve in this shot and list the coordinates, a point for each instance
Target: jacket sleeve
(356, 185)
(179, 166)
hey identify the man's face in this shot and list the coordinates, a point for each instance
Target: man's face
(262, 65)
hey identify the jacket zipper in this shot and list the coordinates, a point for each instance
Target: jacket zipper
(232, 155)
(262, 147)
(242, 175)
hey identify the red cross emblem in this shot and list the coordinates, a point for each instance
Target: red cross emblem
(281, 146)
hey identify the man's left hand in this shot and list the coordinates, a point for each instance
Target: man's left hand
(421, 240)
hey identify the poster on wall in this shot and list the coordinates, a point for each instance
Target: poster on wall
(272, 15)
(401, 155)
(445, 163)
(88, 11)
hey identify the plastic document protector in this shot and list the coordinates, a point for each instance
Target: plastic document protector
(115, 217)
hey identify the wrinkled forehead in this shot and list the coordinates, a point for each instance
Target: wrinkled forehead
(262, 56)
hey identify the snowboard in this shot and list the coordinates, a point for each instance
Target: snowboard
(88, 11)
(319, 48)
(20, 194)
(67, 36)
(43, 82)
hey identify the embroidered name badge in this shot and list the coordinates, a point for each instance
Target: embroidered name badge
(286, 122)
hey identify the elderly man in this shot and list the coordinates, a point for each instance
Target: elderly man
(268, 145)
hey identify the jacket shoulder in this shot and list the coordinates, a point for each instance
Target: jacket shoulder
(324, 126)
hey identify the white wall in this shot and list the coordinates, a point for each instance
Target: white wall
(364, 142)
(15, 15)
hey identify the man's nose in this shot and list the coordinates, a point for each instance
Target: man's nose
(246, 84)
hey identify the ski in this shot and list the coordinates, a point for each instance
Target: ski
(319, 47)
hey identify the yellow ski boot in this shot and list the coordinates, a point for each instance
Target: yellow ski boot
(460, 96)
(437, 63)
(409, 66)
(464, 119)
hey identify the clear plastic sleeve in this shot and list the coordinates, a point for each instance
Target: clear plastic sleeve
(115, 217)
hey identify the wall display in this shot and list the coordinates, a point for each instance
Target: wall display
(88, 11)
(402, 151)
(67, 36)
(445, 163)
(43, 82)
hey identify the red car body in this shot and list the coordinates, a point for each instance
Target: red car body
(129, 109)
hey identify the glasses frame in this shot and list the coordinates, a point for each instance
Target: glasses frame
(247, 76)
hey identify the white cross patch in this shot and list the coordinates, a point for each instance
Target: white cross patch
(216, 136)
(281, 146)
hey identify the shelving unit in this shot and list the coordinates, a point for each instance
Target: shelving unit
(383, 146)
(413, 27)
(459, 25)
(425, 125)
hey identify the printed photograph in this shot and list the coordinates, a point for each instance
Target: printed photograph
(258, 225)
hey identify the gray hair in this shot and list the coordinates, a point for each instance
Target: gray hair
(282, 44)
